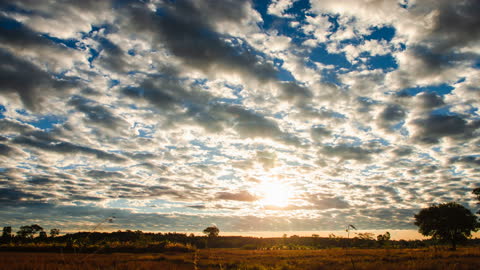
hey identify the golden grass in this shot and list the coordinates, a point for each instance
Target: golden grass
(225, 259)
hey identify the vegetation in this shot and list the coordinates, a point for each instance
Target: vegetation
(237, 259)
(447, 222)
(212, 231)
(138, 241)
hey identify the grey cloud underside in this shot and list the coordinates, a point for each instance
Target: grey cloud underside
(97, 114)
(170, 95)
(240, 196)
(456, 25)
(348, 152)
(184, 25)
(47, 142)
(435, 127)
(34, 90)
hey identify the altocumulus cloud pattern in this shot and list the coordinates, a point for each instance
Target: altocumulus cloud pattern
(252, 115)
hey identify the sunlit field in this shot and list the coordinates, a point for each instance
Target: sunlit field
(464, 258)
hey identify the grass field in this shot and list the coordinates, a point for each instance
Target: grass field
(464, 258)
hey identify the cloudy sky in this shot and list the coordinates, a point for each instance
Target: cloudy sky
(283, 115)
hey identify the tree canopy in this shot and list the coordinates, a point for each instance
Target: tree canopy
(211, 231)
(477, 194)
(447, 221)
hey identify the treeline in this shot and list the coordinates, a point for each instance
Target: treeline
(138, 241)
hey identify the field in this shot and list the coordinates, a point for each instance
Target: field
(464, 258)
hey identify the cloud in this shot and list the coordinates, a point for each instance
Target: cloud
(349, 152)
(243, 196)
(435, 127)
(39, 86)
(184, 25)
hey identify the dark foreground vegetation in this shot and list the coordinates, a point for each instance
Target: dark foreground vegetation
(237, 259)
(138, 241)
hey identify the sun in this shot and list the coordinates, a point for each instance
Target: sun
(274, 193)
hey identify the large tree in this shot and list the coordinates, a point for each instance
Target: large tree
(447, 221)
(477, 194)
(211, 231)
(29, 231)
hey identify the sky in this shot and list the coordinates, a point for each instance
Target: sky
(271, 116)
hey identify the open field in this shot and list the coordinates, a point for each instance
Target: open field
(464, 258)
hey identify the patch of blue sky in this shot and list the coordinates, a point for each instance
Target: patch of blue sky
(47, 122)
(70, 43)
(441, 89)
(284, 75)
(321, 55)
(280, 115)
(71, 167)
(146, 133)
(10, 24)
(426, 156)
(346, 140)
(403, 4)
(22, 112)
(113, 168)
(398, 126)
(382, 141)
(476, 64)
(93, 55)
(2, 111)
(113, 83)
(370, 170)
(385, 62)
(299, 9)
(331, 76)
(381, 33)
(227, 177)
(282, 24)
(363, 128)
(131, 52)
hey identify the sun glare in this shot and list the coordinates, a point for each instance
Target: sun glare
(274, 194)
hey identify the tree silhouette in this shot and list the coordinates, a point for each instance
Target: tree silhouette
(42, 235)
(29, 231)
(211, 231)
(54, 232)
(7, 232)
(25, 232)
(36, 228)
(447, 221)
(477, 194)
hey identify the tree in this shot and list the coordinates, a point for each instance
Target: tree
(54, 232)
(383, 237)
(25, 232)
(7, 232)
(477, 194)
(29, 231)
(211, 231)
(366, 236)
(42, 235)
(447, 221)
(36, 228)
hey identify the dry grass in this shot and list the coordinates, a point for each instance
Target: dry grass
(378, 259)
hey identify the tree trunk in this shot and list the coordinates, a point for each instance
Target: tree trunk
(454, 244)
